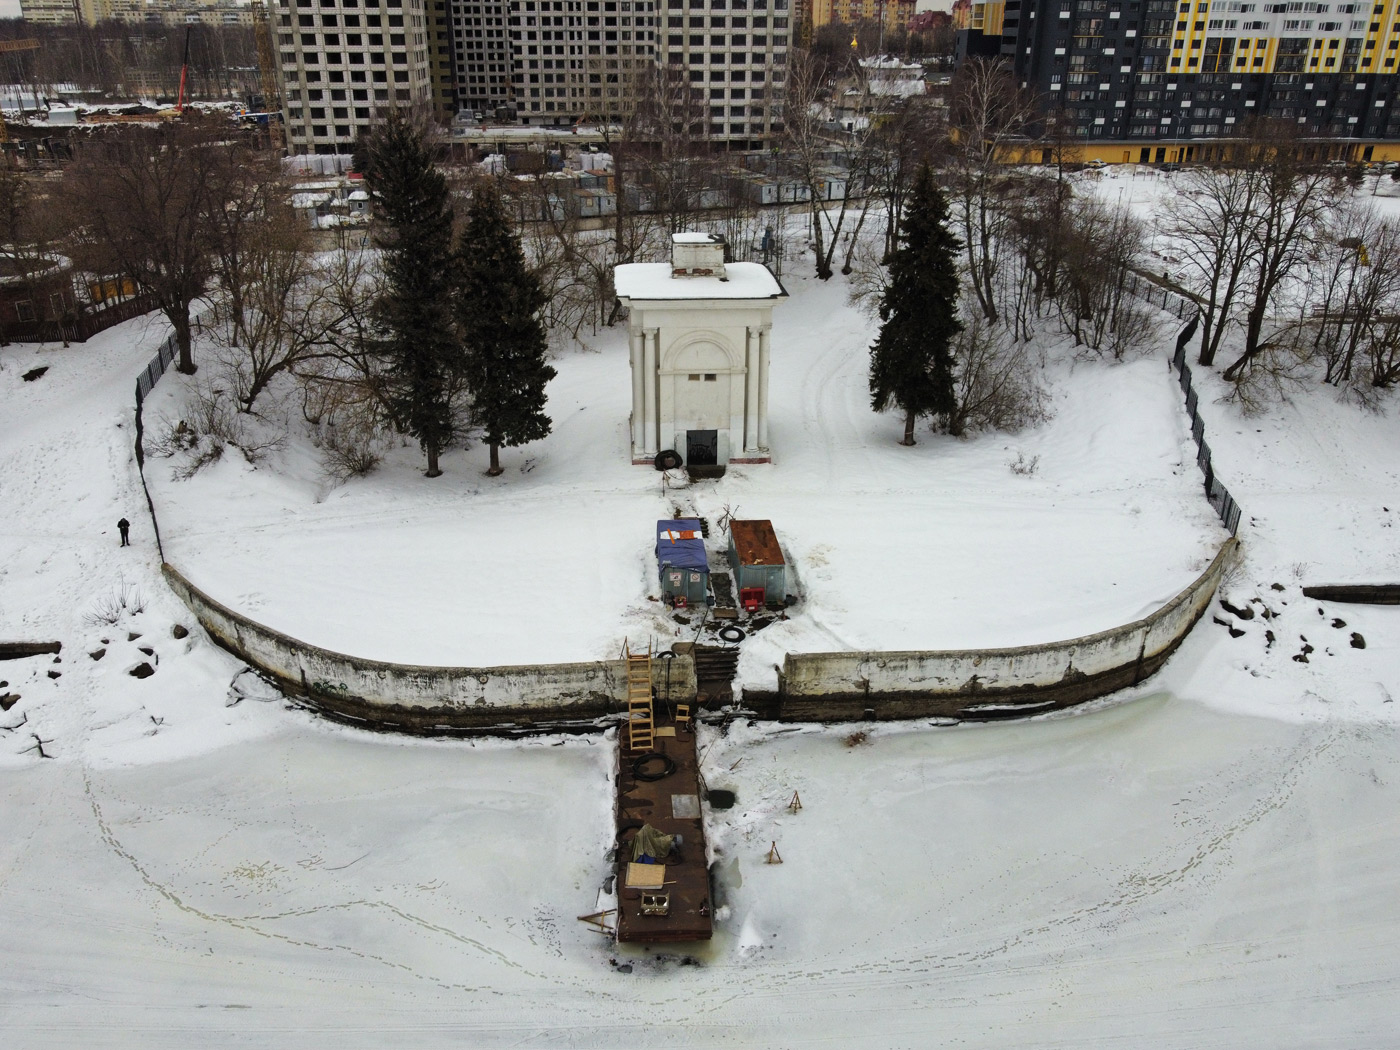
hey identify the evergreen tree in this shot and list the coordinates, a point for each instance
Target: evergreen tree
(911, 363)
(498, 304)
(418, 343)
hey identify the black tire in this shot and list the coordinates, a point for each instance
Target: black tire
(668, 460)
(666, 654)
(641, 772)
(730, 633)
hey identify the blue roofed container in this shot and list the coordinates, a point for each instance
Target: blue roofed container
(760, 570)
(682, 562)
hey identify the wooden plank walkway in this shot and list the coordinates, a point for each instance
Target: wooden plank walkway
(670, 804)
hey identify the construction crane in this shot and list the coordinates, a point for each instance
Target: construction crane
(267, 68)
(184, 73)
(27, 44)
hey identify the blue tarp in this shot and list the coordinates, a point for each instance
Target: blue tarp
(678, 544)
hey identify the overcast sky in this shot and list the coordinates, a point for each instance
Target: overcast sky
(9, 8)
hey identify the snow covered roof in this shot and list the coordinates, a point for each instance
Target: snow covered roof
(653, 282)
(17, 267)
(696, 238)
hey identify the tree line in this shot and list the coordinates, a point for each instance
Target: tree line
(124, 61)
(1295, 271)
(436, 332)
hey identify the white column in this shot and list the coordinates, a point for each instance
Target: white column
(763, 340)
(650, 353)
(750, 391)
(636, 338)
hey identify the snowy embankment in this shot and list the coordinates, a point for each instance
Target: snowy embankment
(67, 475)
(1172, 872)
(940, 546)
(1318, 478)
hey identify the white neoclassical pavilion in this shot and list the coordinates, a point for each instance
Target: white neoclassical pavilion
(700, 333)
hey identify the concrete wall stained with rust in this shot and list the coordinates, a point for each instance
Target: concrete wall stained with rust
(427, 699)
(988, 683)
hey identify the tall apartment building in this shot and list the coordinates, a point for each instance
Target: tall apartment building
(166, 12)
(441, 67)
(59, 12)
(483, 55)
(343, 61)
(1166, 80)
(893, 14)
(734, 57)
(578, 59)
(538, 62)
(557, 62)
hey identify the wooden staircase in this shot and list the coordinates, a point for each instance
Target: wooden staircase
(640, 724)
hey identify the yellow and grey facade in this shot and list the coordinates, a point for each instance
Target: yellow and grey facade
(1167, 80)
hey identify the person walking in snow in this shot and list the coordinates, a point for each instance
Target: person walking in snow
(124, 527)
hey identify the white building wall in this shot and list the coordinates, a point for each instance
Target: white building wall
(675, 341)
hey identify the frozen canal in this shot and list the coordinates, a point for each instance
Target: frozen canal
(1152, 874)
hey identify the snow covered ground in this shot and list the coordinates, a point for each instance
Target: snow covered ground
(938, 546)
(1207, 862)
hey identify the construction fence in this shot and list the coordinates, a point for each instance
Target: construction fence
(165, 356)
(1186, 309)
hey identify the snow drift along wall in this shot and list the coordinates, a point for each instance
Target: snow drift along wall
(428, 699)
(987, 683)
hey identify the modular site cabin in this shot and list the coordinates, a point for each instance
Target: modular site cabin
(760, 570)
(681, 560)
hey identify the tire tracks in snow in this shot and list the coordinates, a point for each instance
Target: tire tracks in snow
(1171, 868)
(255, 924)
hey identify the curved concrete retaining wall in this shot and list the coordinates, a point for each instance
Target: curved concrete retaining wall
(992, 683)
(428, 699)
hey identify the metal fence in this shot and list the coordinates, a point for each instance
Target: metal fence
(167, 353)
(1156, 295)
(1217, 493)
(147, 379)
(1186, 309)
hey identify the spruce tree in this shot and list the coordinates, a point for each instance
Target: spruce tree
(911, 363)
(418, 342)
(498, 305)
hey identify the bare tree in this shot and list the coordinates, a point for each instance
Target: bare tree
(344, 375)
(244, 203)
(573, 264)
(1289, 198)
(809, 148)
(32, 226)
(997, 382)
(1349, 318)
(142, 196)
(1095, 306)
(292, 309)
(913, 134)
(991, 125)
(1210, 222)
(672, 165)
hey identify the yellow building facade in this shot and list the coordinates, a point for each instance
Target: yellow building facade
(894, 14)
